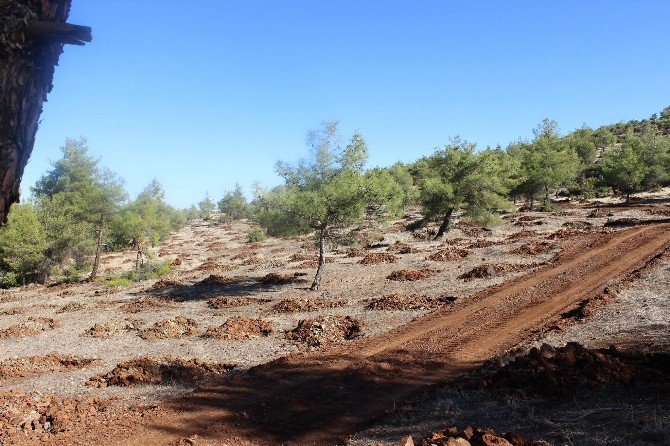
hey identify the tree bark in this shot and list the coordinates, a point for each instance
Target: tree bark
(32, 35)
(98, 248)
(445, 224)
(322, 260)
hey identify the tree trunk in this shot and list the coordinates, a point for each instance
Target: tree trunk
(98, 248)
(32, 35)
(445, 224)
(322, 260)
(627, 197)
(532, 201)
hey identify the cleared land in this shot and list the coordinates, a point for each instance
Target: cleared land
(375, 349)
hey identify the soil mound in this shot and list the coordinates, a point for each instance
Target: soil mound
(402, 248)
(424, 233)
(281, 279)
(493, 269)
(71, 307)
(239, 328)
(305, 305)
(34, 414)
(325, 330)
(173, 328)
(24, 366)
(356, 252)
(166, 283)
(562, 234)
(377, 258)
(475, 437)
(213, 280)
(111, 328)
(163, 370)
(482, 244)
(521, 234)
(580, 225)
(13, 311)
(556, 372)
(222, 302)
(144, 304)
(409, 275)
(448, 254)
(301, 257)
(534, 248)
(30, 327)
(408, 302)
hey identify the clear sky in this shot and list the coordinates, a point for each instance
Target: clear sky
(206, 93)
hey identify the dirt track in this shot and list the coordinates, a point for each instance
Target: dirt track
(321, 398)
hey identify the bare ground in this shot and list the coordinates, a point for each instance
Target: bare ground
(428, 351)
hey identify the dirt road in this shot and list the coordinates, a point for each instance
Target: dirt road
(321, 398)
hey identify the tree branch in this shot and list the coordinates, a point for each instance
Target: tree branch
(59, 32)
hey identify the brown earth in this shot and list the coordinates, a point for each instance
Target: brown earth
(165, 370)
(305, 305)
(406, 302)
(283, 401)
(240, 327)
(24, 366)
(449, 254)
(325, 330)
(30, 327)
(470, 436)
(411, 275)
(173, 328)
(561, 371)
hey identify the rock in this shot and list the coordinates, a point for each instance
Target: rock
(408, 441)
(493, 440)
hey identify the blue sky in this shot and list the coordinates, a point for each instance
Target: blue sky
(207, 93)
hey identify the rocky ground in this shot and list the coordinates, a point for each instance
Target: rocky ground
(72, 352)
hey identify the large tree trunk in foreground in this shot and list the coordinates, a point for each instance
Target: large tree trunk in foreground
(322, 260)
(445, 224)
(32, 35)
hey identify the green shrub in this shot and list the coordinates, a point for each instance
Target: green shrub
(255, 235)
(9, 280)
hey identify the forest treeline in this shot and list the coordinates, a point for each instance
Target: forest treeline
(78, 209)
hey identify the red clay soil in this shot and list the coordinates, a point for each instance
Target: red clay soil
(30, 327)
(221, 302)
(555, 372)
(305, 305)
(324, 396)
(281, 279)
(408, 302)
(325, 330)
(25, 366)
(240, 327)
(470, 436)
(408, 275)
(448, 254)
(165, 370)
(173, 328)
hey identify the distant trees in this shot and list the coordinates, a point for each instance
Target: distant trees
(75, 200)
(234, 204)
(546, 163)
(206, 207)
(78, 210)
(322, 193)
(457, 178)
(22, 246)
